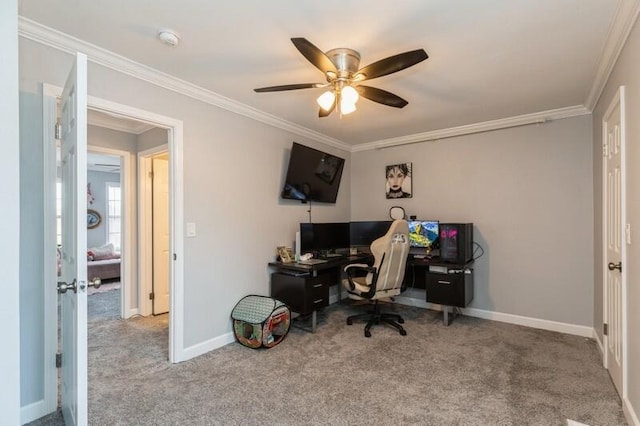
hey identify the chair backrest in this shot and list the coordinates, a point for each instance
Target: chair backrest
(390, 253)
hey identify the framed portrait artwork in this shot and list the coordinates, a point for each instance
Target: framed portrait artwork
(398, 181)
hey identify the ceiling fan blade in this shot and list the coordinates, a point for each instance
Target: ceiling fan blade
(288, 87)
(391, 64)
(314, 55)
(381, 96)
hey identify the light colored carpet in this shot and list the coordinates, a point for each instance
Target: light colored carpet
(474, 372)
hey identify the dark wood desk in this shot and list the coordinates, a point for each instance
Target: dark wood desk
(305, 288)
(447, 284)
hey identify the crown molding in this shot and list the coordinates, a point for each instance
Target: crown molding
(486, 126)
(625, 17)
(39, 33)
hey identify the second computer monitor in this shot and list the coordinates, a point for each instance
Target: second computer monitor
(324, 237)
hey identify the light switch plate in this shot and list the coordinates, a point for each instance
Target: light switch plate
(191, 229)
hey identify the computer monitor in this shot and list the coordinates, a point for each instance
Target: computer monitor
(423, 233)
(324, 237)
(364, 233)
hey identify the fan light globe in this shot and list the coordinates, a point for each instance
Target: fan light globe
(326, 100)
(350, 95)
(347, 107)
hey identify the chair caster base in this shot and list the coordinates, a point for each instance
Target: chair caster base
(367, 333)
(349, 321)
(403, 333)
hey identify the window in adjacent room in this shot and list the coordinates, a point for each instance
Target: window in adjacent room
(114, 214)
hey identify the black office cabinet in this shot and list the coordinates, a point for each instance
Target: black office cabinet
(304, 294)
(450, 286)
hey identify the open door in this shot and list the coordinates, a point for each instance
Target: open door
(73, 287)
(161, 234)
(614, 241)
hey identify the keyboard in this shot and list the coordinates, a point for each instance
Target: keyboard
(311, 261)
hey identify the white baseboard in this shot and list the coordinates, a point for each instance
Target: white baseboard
(599, 342)
(629, 413)
(133, 312)
(207, 346)
(33, 411)
(578, 330)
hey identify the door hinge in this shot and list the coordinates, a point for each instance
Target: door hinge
(150, 175)
(152, 296)
(175, 256)
(58, 360)
(58, 130)
(605, 330)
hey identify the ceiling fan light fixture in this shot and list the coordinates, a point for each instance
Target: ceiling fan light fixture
(349, 95)
(326, 100)
(347, 107)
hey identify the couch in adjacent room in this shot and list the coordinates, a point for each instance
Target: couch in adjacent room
(103, 262)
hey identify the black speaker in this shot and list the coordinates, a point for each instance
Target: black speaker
(456, 242)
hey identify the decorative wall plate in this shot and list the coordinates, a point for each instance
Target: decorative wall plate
(93, 219)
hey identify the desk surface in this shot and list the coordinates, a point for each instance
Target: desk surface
(330, 263)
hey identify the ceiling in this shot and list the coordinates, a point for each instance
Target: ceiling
(488, 59)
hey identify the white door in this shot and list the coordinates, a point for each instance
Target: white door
(160, 235)
(613, 235)
(74, 244)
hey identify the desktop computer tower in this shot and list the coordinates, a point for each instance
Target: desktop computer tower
(456, 242)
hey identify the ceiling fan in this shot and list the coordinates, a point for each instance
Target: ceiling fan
(341, 69)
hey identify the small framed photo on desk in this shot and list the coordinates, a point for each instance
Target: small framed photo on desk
(285, 254)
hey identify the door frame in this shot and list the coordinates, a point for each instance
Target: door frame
(618, 100)
(145, 238)
(127, 226)
(174, 128)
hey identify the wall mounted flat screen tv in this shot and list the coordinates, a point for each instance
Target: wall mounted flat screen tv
(312, 175)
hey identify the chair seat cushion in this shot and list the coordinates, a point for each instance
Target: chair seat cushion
(361, 287)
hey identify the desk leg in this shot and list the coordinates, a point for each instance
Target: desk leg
(445, 312)
(314, 317)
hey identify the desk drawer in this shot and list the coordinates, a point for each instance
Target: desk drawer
(303, 294)
(450, 289)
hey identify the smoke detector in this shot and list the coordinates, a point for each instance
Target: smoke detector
(168, 37)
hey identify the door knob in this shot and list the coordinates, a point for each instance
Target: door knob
(95, 282)
(613, 266)
(63, 287)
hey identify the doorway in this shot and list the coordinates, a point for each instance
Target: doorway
(173, 130)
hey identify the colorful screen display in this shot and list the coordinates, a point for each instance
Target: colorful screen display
(423, 233)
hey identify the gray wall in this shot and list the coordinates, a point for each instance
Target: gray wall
(10, 391)
(627, 73)
(151, 139)
(108, 138)
(233, 172)
(97, 237)
(527, 190)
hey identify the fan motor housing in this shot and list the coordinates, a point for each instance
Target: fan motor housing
(347, 61)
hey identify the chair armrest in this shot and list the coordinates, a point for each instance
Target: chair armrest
(355, 268)
(361, 266)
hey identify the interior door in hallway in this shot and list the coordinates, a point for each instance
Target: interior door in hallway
(613, 215)
(161, 241)
(72, 289)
